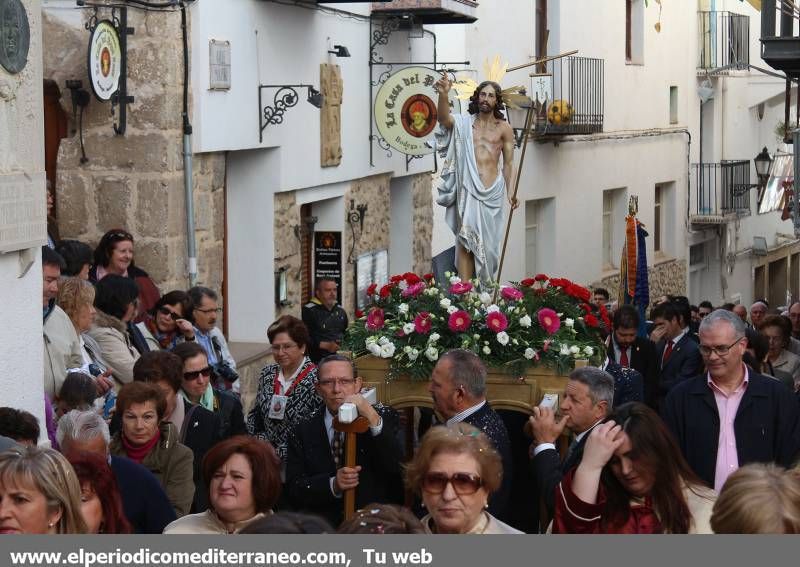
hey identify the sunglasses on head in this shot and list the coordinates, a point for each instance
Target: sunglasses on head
(463, 483)
(120, 235)
(195, 374)
(171, 314)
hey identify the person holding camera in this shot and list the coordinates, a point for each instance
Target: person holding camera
(203, 315)
(167, 324)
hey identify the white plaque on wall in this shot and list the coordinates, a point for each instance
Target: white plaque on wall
(23, 212)
(219, 65)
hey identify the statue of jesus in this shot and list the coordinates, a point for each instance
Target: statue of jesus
(473, 180)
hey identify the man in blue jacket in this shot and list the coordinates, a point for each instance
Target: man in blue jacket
(731, 416)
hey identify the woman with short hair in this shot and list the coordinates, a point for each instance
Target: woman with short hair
(167, 324)
(785, 364)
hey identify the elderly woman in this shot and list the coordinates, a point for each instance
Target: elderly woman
(114, 255)
(286, 393)
(101, 503)
(244, 483)
(166, 324)
(76, 297)
(115, 302)
(632, 479)
(455, 470)
(785, 365)
(39, 493)
(150, 441)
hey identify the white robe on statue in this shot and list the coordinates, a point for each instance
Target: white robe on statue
(474, 212)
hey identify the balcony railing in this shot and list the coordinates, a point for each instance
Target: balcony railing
(571, 90)
(724, 40)
(780, 45)
(719, 191)
(430, 11)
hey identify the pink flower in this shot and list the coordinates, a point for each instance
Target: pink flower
(413, 290)
(375, 319)
(549, 320)
(546, 345)
(459, 321)
(511, 293)
(496, 321)
(460, 287)
(422, 323)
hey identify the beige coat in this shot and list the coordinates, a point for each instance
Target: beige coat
(112, 337)
(206, 523)
(62, 349)
(486, 524)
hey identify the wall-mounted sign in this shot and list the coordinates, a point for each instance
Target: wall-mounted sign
(219, 65)
(328, 258)
(105, 60)
(405, 109)
(15, 36)
(23, 221)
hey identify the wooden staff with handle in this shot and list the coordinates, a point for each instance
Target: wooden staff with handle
(359, 425)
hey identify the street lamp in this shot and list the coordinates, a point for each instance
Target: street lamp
(763, 162)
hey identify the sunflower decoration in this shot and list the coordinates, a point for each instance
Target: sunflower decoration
(513, 97)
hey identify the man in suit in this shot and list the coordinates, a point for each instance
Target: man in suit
(630, 351)
(316, 477)
(458, 389)
(586, 401)
(678, 356)
(731, 416)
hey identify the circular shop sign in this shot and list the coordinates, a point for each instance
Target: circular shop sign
(405, 109)
(105, 60)
(15, 36)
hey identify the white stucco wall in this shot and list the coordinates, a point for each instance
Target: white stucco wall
(22, 151)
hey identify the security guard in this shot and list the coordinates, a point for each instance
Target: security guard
(325, 320)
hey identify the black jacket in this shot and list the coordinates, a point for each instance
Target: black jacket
(643, 359)
(231, 416)
(310, 466)
(143, 499)
(628, 384)
(766, 424)
(200, 432)
(683, 364)
(323, 325)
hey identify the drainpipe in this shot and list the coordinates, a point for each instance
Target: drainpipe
(187, 159)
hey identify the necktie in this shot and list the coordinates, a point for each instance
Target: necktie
(667, 352)
(571, 450)
(337, 446)
(623, 358)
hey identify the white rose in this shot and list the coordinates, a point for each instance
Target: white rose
(402, 285)
(431, 354)
(529, 353)
(370, 340)
(434, 337)
(402, 308)
(589, 351)
(413, 354)
(454, 280)
(525, 321)
(564, 350)
(569, 322)
(406, 349)
(487, 350)
(408, 328)
(485, 298)
(452, 309)
(387, 351)
(574, 350)
(492, 308)
(502, 338)
(445, 303)
(383, 341)
(374, 349)
(476, 336)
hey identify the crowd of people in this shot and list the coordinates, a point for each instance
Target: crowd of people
(690, 425)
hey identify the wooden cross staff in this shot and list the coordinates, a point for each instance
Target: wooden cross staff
(360, 425)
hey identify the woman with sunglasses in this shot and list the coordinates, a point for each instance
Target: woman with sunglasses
(114, 255)
(632, 479)
(455, 471)
(166, 324)
(286, 393)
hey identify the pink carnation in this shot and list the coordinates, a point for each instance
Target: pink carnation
(375, 319)
(496, 321)
(460, 287)
(511, 293)
(422, 323)
(549, 320)
(413, 290)
(459, 321)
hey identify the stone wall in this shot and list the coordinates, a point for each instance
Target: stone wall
(287, 251)
(422, 224)
(135, 181)
(665, 278)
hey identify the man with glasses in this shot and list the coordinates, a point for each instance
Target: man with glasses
(204, 313)
(325, 320)
(731, 416)
(316, 477)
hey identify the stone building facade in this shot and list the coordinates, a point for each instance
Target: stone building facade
(665, 278)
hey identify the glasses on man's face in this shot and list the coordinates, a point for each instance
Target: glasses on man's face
(169, 313)
(283, 347)
(195, 374)
(329, 382)
(463, 483)
(209, 310)
(718, 350)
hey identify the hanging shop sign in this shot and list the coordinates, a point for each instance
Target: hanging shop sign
(105, 60)
(406, 109)
(15, 36)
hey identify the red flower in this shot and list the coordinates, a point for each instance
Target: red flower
(396, 279)
(428, 277)
(527, 282)
(411, 278)
(591, 320)
(579, 292)
(511, 293)
(496, 321)
(371, 289)
(460, 288)
(413, 290)
(359, 313)
(586, 307)
(422, 323)
(386, 290)
(375, 319)
(459, 321)
(549, 320)
(540, 278)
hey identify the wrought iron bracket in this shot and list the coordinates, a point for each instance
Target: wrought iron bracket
(285, 97)
(121, 97)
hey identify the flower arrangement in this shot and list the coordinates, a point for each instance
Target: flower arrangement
(412, 320)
